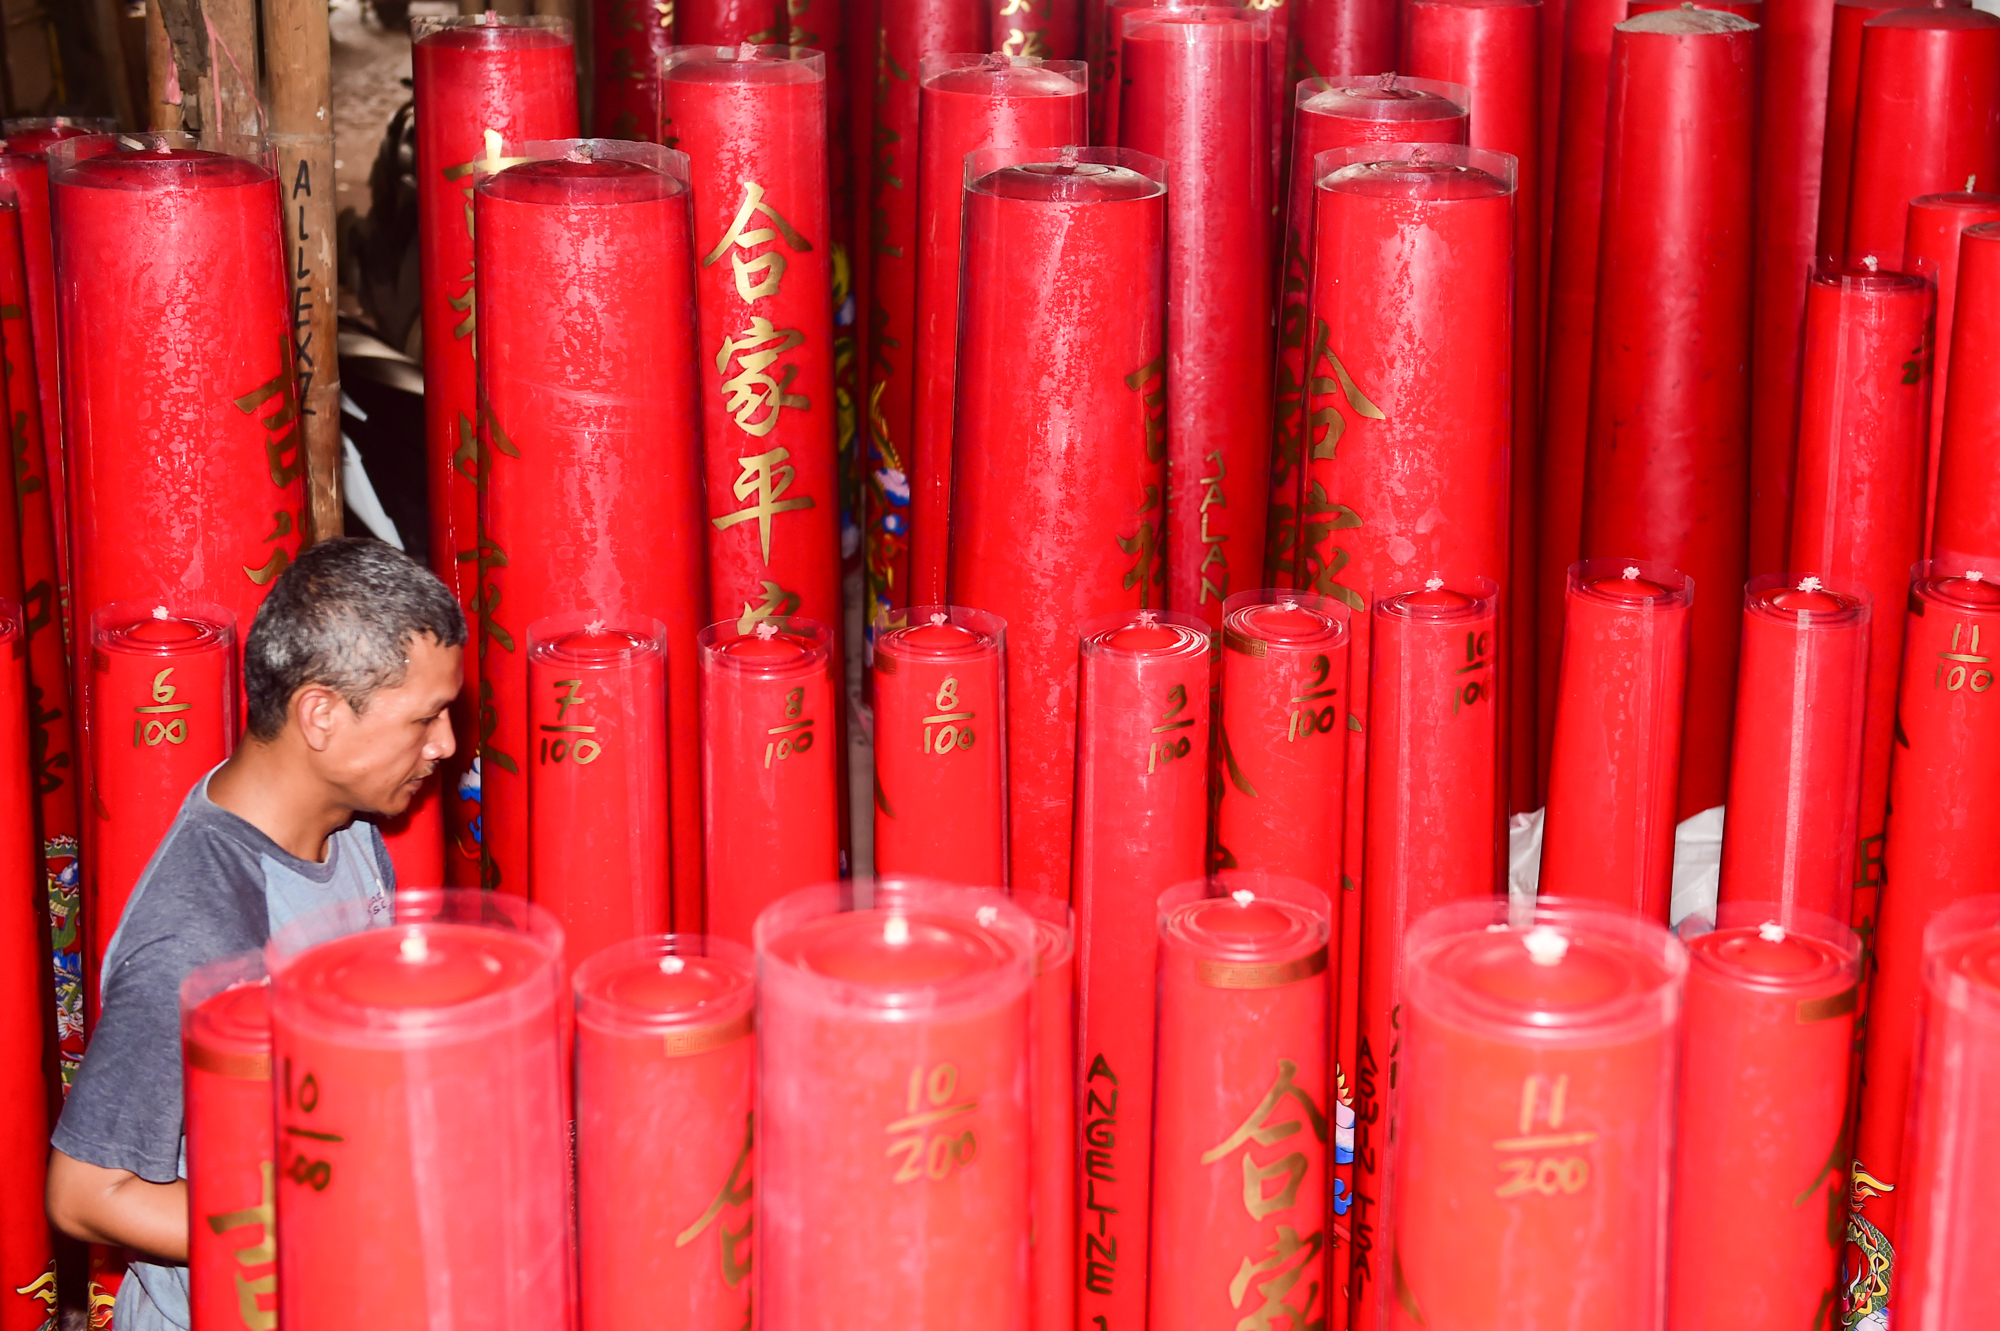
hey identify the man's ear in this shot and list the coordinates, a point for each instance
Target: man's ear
(318, 710)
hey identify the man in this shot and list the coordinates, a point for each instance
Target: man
(349, 668)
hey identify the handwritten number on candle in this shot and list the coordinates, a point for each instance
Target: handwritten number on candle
(1477, 644)
(582, 748)
(299, 1168)
(1526, 1169)
(1307, 720)
(794, 736)
(948, 728)
(928, 1136)
(1963, 667)
(1167, 749)
(154, 724)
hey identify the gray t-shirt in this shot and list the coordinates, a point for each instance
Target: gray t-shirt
(215, 887)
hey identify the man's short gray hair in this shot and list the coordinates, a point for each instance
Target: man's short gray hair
(343, 615)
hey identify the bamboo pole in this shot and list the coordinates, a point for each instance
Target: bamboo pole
(163, 90)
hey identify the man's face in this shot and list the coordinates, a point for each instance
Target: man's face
(380, 755)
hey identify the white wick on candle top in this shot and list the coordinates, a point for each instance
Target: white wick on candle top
(1631, 572)
(160, 612)
(1809, 583)
(766, 630)
(594, 626)
(414, 948)
(988, 916)
(1771, 931)
(1242, 896)
(896, 931)
(1433, 584)
(491, 18)
(581, 152)
(1546, 946)
(937, 620)
(1288, 604)
(1871, 263)
(672, 965)
(1974, 575)
(1148, 618)
(1970, 182)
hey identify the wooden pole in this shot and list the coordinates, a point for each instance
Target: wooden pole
(229, 83)
(111, 50)
(163, 89)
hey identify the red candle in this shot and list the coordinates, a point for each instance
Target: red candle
(665, 1169)
(1670, 383)
(1052, 1113)
(1059, 467)
(966, 103)
(1760, 1192)
(1330, 39)
(1242, 1125)
(480, 83)
(729, 22)
(753, 123)
(161, 704)
(1388, 109)
(627, 40)
(1141, 779)
(1930, 250)
(1614, 766)
(1940, 849)
(1795, 768)
(1858, 509)
(768, 749)
(1432, 801)
(1538, 1119)
(1967, 529)
(895, 1096)
(593, 495)
(231, 1148)
(1927, 117)
(941, 745)
(457, 1218)
(597, 777)
(415, 837)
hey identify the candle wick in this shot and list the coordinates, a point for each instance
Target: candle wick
(1288, 605)
(491, 18)
(766, 630)
(1546, 947)
(581, 153)
(1148, 618)
(414, 948)
(1242, 896)
(1871, 263)
(594, 626)
(1389, 81)
(1771, 931)
(1971, 182)
(160, 612)
(988, 916)
(896, 930)
(1433, 584)
(937, 619)
(672, 965)
(1809, 583)
(1631, 572)
(1974, 575)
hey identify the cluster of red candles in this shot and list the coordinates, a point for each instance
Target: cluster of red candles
(1263, 474)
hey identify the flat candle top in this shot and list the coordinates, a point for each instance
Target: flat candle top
(1476, 4)
(890, 951)
(1286, 623)
(1687, 22)
(1626, 591)
(429, 967)
(1414, 178)
(1879, 283)
(1975, 959)
(938, 642)
(235, 1021)
(480, 35)
(1053, 944)
(600, 649)
(774, 654)
(1952, 201)
(1203, 23)
(583, 181)
(1245, 927)
(1146, 639)
(1069, 182)
(1546, 976)
(1766, 958)
(664, 993)
(1002, 80)
(35, 139)
(1926, 16)
(1431, 604)
(154, 636)
(1816, 606)
(164, 169)
(1389, 101)
(746, 64)
(1973, 593)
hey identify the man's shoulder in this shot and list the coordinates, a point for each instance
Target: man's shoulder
(204, 871)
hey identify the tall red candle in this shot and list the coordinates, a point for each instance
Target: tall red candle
(1670, 367)
(1760, 1191)
(1142, 787)
(480, 84)
(1052, 1113)
(593, 494)
(627, 40)
(457, 1219)
(730, 22)
(1614, 766)
(666, 1063)
(893, 1019)
(231, 1147)
(752, 121)
(1036, 29)
(1432, 800)
(1349, 112)
(1930, 250)
(1966, 527)
(1330, 39)
(1927, 117)
(415, 837)
(941, 745)
(1538, 1120)
(1858, 508)
(1059, 454)
(1195, 96)
(966, 103)
(1242, 1127)
(1795, 767)
(768, 749)
(597, 777)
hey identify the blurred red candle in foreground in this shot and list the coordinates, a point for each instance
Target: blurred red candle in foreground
(25, 1053)
(1930, 250)
(665, 1073)
(231, 1180)
(1052, 1112)
(1968, 527)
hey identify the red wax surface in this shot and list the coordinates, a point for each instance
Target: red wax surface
(1761, 1173)
(1613, 769)
(1795, 767)
(966, 103)
(1670, 387)
(161, 712)
(415, 837)
(1858, 514)
(1390, 109)
(754, 130)
(1940, 850)
(1037, 29)
(592, 430)
(24, 1037)
(457, 1218)
(1493, 47)
(231, 1149)
(1927, 118)
(729, 22)
(1538, 1125)
(895, 1096)
(769, 745)
(665, 1169)
(941, 746)
(1244, 1119)
(1195, 96)
(1141, 778)
(1052, 1115)
(1330, 41)
(1432, 802)
(1931, 249)
(1967, 527)
(1059, 467)
(912, 31)
(19, 389)
(597, 778)
(26, 169)
(628, 38)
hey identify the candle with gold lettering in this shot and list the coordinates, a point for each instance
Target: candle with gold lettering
(1537, 1129)
(1965, 530)
(1242, 1126)
(628, 39)
(893, 1019)
(1142, 790)
(666, 1063)
(1052, 1112)
(231, 1149)
(768, 749)
(1039, 29)
(1059, 473)
(597, 777)
(941, 745)
(593, 490)
(728, 22)
(161, 709)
